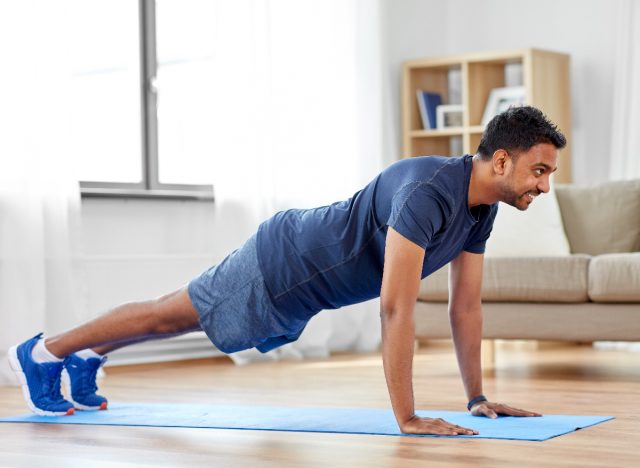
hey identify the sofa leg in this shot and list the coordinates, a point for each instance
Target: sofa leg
(488, 355)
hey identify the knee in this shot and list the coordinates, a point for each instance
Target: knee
(169, 317)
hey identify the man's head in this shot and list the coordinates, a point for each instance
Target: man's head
(522, 146)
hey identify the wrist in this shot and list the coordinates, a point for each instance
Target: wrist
(476, 400)
(406, 422)
(405, 419)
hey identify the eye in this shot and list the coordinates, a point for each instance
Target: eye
(539, 171)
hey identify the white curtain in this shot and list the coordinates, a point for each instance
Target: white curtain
(625, 159)
(347, 153)
(306, 87)
(295, 101)
(41, 280)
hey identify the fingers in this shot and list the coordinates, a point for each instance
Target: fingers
(504, 409)
(436, 427)
(491, 410)
(465, 430)
(510, 411)
(454, 429)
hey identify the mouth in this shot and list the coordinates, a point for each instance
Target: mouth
(531, 196)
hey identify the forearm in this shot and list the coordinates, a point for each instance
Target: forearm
(398, 334)
(466, 328)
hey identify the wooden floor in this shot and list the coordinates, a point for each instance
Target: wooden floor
(561, 380)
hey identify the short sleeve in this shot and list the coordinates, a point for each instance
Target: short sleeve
(418, 211)
(481, 231)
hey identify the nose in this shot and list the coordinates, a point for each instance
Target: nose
(543, 186)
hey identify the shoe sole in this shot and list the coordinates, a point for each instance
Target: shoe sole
(67, 385)
(14, 362)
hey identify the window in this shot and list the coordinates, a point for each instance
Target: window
(140, 96)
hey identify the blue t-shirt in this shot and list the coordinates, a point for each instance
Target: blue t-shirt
(332, 256)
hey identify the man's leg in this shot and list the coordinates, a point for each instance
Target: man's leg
(40, 371)
(169, 315)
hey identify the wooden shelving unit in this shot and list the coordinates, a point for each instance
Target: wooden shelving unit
(544, 75)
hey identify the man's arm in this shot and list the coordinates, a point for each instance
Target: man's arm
(465, 315)
(400, 284)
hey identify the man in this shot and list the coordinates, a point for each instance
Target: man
(414, 217)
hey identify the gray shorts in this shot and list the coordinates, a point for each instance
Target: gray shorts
(235, 309)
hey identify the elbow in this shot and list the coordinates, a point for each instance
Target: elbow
(396, 308)
(389, 310)
(396, 315)
(387, 307)
(385, 314)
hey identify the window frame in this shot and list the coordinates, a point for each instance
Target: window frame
(150, 185)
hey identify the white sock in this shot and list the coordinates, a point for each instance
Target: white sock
(41, 354)
(88, 353)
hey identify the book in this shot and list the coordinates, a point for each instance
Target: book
(427, 103)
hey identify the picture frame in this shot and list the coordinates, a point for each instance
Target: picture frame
(500, 99)
(449, 115)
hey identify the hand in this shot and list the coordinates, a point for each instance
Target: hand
(492, 410)
(418, 425)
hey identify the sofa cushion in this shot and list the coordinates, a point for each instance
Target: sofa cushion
(537, 231)
(540, 279)
(615, 278)
(603, 218)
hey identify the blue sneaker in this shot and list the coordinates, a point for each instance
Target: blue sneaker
(80, 380)
(40, 381)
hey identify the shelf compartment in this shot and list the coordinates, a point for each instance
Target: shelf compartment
(442, 145)
(485, 76)
(434, 79)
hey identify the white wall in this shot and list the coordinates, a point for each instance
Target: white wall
(585, 29)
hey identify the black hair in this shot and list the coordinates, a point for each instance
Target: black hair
(518, 129)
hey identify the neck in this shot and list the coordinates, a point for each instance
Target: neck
(481, 190)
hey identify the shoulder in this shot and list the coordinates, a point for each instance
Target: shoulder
(424, 201)
(416, 190)
(439, 172)
(421, 167)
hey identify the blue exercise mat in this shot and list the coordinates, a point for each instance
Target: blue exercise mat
(335, 420)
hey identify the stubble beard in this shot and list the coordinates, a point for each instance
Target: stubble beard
(511, 197)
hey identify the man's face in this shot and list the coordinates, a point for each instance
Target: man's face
(528, 176)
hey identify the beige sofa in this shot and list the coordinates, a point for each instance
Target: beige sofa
(593, 293)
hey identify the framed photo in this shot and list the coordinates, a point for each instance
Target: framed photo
(448, 115)
(501, 99)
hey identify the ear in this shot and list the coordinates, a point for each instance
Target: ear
(500, 160)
